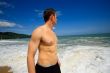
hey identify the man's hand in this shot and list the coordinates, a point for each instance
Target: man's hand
(59, 62)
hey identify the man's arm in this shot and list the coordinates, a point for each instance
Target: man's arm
(32, 48)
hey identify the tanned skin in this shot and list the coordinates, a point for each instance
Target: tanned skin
(45, 41)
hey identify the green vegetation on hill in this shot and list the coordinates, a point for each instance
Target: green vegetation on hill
(13, 35)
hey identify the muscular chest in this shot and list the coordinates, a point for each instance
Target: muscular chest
(49, 38)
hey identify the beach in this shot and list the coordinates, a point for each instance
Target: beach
(77, 55)
(5, 69)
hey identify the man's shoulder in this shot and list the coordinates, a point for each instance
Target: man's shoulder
(38, 30)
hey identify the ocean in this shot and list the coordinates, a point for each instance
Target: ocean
(77, 54)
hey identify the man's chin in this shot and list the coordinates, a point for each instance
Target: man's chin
(55, 23)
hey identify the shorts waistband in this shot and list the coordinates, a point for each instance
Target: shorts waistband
(47, 66)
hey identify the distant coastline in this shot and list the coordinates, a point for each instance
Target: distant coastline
(13, 35)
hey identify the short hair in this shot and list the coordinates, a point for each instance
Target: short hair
(47, 13)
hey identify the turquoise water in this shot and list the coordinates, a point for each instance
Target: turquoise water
(71, 40)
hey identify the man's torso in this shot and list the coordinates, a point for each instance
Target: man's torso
(47, 47)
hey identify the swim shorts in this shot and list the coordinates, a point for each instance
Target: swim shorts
(51, 69)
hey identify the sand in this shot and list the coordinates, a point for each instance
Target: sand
(5, 69)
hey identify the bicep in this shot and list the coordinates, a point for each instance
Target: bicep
(32, 47)
(33, 44)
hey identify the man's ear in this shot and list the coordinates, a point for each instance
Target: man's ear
(51, 17)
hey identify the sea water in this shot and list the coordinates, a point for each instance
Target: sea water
(76, 54)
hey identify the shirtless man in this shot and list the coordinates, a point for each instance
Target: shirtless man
(44, 39)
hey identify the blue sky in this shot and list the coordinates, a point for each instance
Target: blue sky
(74, 16)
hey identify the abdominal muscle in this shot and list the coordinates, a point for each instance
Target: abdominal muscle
(47, 56)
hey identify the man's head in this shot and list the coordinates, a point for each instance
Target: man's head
(50, 14)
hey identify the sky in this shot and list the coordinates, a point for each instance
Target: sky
(73, 16)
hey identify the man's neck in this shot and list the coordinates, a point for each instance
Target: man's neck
(49, 25)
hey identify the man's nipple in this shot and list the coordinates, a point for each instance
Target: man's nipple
(49, 42)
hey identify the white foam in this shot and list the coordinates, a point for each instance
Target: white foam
(86, 59)
(13, 56)
(74, 59)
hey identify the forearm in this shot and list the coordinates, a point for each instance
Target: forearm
(31, 64)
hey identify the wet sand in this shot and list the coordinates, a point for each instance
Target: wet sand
(5, 69)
